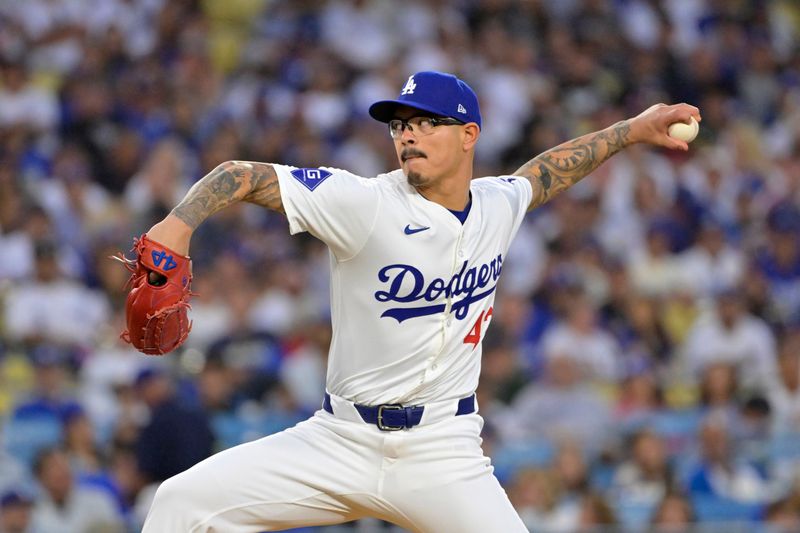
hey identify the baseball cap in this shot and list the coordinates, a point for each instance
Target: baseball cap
(15, 497)
(146, 374)
(784, 218)
(436, 92)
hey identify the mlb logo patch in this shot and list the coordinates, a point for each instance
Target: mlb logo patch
(310, 177)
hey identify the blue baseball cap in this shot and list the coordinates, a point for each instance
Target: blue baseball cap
(436, 92)
(15, 497)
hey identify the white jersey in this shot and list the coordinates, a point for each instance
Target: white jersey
(412, 288)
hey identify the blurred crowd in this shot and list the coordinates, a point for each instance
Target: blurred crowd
(642, 371)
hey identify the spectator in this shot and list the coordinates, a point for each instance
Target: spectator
(51, 397)
(752, 431)
(16, 248)
(64, 505)
(640, 396)
(536, 495)
(595, 512)
(12, 472)
(60, 322)
(653, 270)
(712, 262)
(23, 106)
(778, 263)
(80, 444)
(501, 375)
(78, 206)
(580, 338)
(252, 355)
(720, 473)
(160, 184)
(733, 335)
(674, 514)
(303, 369)
(572, 470)
(784, 394)
(718, 389)
(15, 512)
(783, 516)
(563, 406)
(644, 329)
(646, 477)
(216, 387)
(175, 437)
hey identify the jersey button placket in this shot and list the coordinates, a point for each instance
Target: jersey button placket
(457, 261)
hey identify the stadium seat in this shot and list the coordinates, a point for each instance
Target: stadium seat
(24, 438)
(512, 457)
(716, 509)
(229, 429)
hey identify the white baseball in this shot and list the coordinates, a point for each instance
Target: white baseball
(684, 132)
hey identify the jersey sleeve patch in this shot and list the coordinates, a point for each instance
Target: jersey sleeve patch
(310, 177)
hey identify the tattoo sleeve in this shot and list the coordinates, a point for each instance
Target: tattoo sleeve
(565, 165)
(230, 182)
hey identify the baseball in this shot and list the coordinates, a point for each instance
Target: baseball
(684, 132)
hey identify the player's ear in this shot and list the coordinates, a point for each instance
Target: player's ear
(470, 135)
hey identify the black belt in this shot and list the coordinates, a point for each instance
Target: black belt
(394, 417)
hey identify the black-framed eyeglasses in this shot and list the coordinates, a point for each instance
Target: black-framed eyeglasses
(419, 125)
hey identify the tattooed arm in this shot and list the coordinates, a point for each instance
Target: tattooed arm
(565, 165)
(228, 183)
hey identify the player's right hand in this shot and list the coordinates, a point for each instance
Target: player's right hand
(652, 125)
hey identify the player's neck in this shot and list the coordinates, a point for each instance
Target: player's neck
(453, 195)
(450, 191)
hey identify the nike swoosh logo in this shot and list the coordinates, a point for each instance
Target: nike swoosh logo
(408, 230)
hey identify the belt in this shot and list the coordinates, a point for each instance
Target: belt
(394, 417)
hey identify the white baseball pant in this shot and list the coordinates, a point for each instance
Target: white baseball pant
(329, 470)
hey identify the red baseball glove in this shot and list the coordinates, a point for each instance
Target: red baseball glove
(157, 306)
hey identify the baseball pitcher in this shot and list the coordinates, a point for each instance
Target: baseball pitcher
(415, 256)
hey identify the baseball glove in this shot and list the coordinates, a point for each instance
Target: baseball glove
(157, 306)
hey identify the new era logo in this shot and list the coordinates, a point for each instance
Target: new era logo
(409, 87)
(462, 109)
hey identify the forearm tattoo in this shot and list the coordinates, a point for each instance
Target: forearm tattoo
(565, 165)
(230, 182)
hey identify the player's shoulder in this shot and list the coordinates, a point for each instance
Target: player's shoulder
(312, 177)
(500, 192)
(489, 184)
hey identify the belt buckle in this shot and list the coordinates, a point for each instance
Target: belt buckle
(388, 407)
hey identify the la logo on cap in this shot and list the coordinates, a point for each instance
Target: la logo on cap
(410, 86)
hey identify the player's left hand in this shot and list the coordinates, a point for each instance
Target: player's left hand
(651, 125)
(156, 308)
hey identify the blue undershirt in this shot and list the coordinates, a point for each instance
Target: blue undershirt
(462, 215)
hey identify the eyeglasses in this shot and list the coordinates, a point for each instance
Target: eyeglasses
(419, 125)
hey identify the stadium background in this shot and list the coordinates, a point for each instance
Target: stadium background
(643, 365)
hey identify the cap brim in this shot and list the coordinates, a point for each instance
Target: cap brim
(386, 110)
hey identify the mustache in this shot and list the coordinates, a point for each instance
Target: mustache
(408, 153)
